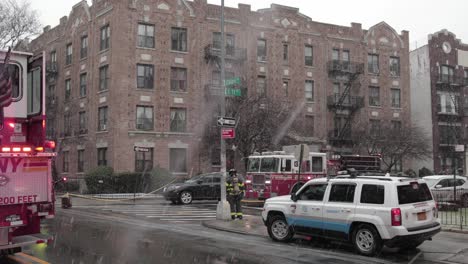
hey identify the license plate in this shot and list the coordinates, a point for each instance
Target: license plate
(422, 216)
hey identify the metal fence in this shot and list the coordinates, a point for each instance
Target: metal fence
(453, 213)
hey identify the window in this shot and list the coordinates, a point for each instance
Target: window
(102, 156)
(145, 79)
(82, 122)
(449, 134)
(144, 160)
(285, 53)
(102, 122)
(342, 127)
(179, 39)
(83, 85)
(396, 98)
(308, 56)
(34, 88)
(178, 119)
(103, 77)
(53, 57)
(65, 161)
(309, 90)
(285, 88)
(446, 74)
(317, 164)
(67, 89)
(373, 63)
(465, 77)
(254, 165)
(215, 155)
(81, 160)
(144, 118)
(374, 127)
(394, 66)
(374, 96)
(229, 41)
(335, 54)
(178, 79)
(286, 165)
(261, 50)
(50, 128)
(261, 85)
(313, 192)
(67, 124)
(372, 194)
(342, 193)
(447, 103)
(105, 37)
(145, 36)
(178, 160)
(396, 125)
(413, 193)
(68, 56)
(269, 165)
(84, 47)
(309, 126)
(345, 55)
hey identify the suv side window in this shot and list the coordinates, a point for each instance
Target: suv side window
(372, 194)
(313, 192)
(460, 182)
(445, 183)
(207, 179)
(342, 193)
(216, 179)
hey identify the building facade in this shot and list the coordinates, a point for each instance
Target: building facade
(125, 74)
(439, 78)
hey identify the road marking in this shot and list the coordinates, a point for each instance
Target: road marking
(186, 219)
(38, 260)
(162, 215)
(18, 259)
(182, 216)
(26, 259)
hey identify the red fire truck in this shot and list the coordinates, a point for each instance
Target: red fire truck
(26, 184)
(274, 173)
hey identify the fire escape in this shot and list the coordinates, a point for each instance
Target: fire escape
(344, 104)
(51, 99)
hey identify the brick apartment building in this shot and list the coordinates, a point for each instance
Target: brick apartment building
(136, 73)
(439, 78)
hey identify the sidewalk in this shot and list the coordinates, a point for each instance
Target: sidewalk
(249, 225)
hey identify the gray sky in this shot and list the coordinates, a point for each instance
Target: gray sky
(420, 17)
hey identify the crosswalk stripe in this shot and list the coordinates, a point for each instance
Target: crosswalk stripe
(154, 215)
(186, 219)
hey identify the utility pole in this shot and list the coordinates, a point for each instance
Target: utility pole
(223, 210)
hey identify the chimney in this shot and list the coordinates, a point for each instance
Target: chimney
(46, 28)
(63, 20)
(244, 8)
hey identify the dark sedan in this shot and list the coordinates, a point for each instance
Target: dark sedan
(200, 187)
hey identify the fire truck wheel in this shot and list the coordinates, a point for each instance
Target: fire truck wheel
(185, 197)
(278, 229)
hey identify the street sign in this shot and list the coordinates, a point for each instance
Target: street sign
(459, 148)
(141, 149)
(233, 92)
(226, 121)
(232, 81)
(227, 133)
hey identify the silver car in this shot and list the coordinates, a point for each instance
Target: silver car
(442, 188)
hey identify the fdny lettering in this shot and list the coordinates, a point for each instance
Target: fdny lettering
(4, 167)
(18, 199)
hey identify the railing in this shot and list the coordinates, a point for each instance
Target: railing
(353, 102)
(232, 53)
(345, 67)
(341, 135)
(453, 213)
(52, 68)
(448, 79)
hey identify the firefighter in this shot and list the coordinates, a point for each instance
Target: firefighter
(235, 190)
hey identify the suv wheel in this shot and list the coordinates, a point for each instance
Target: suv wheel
(366, 240)
(464, 200)
(185, 197)
(278, 229)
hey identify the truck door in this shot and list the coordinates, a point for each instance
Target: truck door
(340, 208)
(307, 213)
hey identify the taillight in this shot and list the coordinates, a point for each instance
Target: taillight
(396, 217)
(6, 149)
(39, 149)
(16, 149)
(27, 149)
(49, 144)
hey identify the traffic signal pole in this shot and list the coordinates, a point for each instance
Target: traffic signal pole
(223, 211)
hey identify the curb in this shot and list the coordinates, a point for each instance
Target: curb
(455, 231)
(206, 224)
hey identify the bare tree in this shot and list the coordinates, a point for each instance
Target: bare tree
(18, 21)
(394, 144)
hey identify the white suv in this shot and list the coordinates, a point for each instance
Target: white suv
(367, 211)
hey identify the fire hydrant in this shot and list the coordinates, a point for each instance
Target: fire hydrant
(66, 201)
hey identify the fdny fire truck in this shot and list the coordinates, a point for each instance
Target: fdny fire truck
(274, 173)
(26, 184)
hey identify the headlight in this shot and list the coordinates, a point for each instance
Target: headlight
(248, 181)
(173, 187)
(268, 182)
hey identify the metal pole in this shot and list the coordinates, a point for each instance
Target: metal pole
(223, 210)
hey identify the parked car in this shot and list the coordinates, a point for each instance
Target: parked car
(368, 211)
(442, 188)
(200, 187)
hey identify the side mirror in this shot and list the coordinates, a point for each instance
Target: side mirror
(294, 197)
(438, 186)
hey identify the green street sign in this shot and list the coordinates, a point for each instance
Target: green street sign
(233, 92)
(232, 81)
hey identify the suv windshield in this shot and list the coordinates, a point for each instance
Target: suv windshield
(413, 193)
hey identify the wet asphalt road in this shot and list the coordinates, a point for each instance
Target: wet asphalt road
(84, 235)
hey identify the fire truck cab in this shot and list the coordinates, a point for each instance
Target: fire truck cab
(274, 173)
(26, 185)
